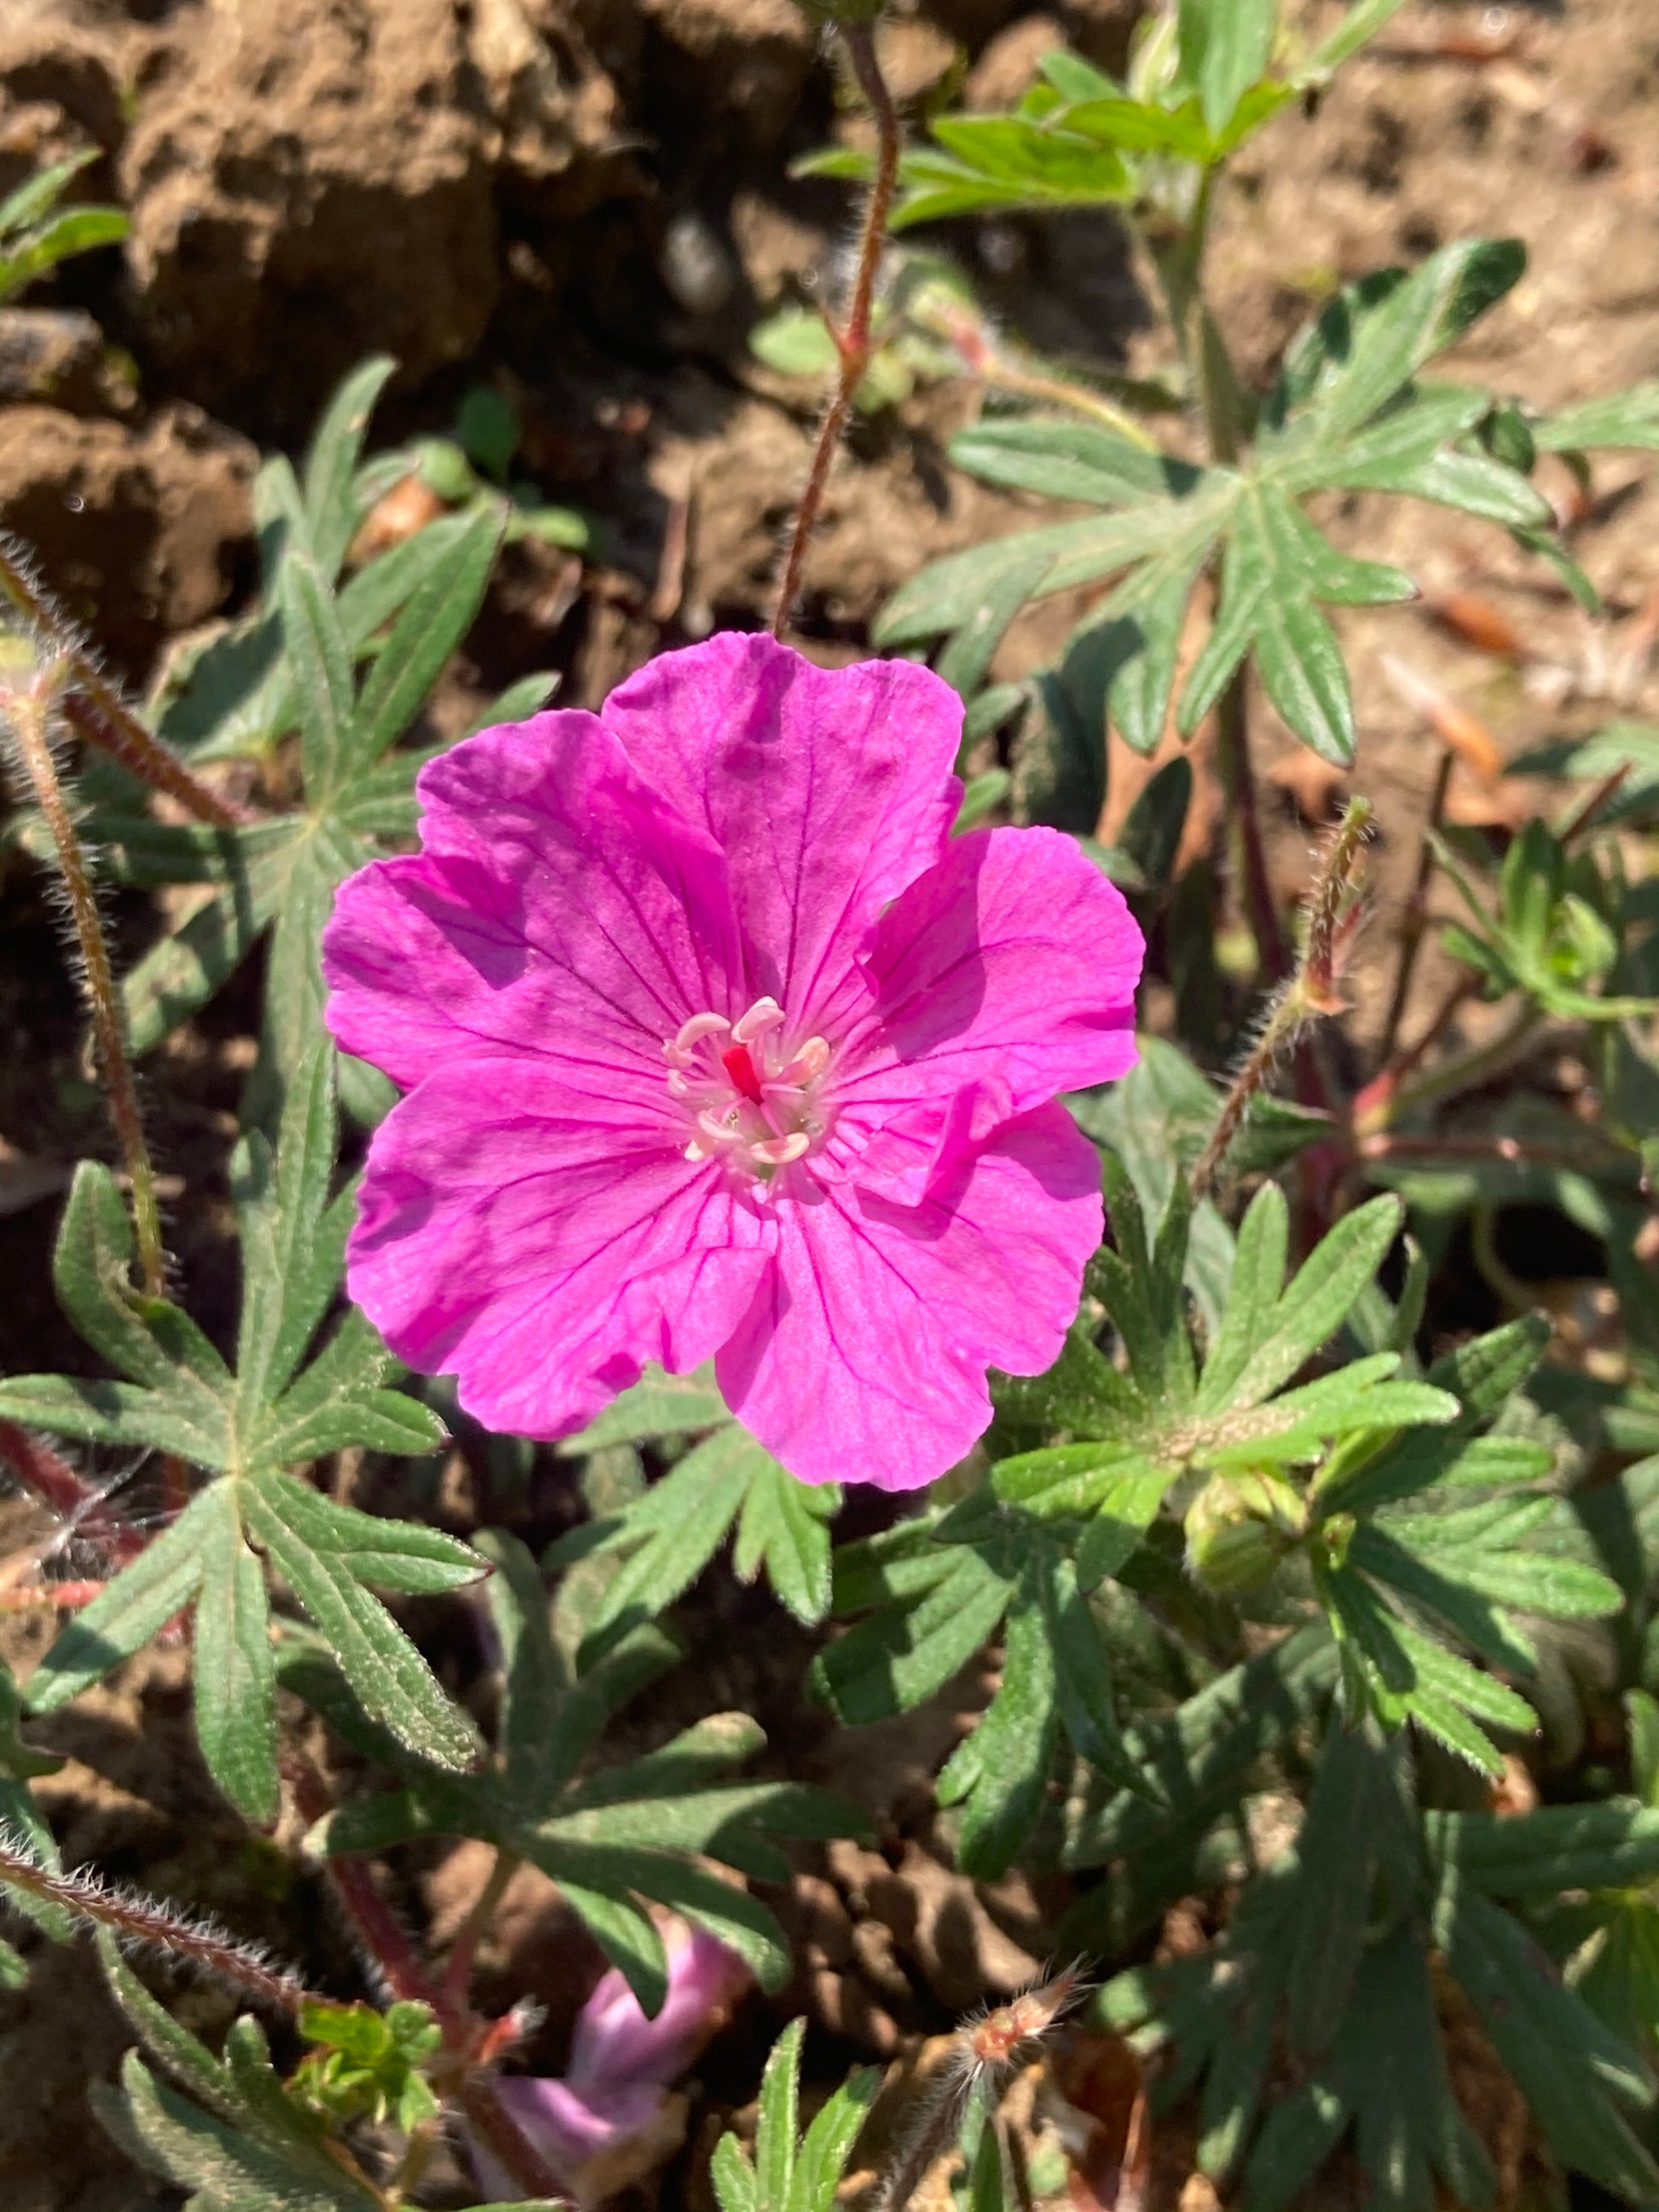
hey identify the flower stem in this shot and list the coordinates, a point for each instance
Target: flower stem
(95, 710)
(1311, 991)
(137, 1920)
(853, 341)
(28, 711)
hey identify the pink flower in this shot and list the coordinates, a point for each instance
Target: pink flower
(718, 1044)
(606, 2122)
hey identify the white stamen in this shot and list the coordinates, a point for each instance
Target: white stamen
(778, 1151)
(765, 1014)
(809, 1063)
(679, 1049)
(728, 1122)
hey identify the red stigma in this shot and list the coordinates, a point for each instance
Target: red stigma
(741, 1069)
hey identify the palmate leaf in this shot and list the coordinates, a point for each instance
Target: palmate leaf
(1323, 1959)
(666, 1537)
(1348, 414)
(245, 1428)
(1428, 1540)
(1326, 1960)
(935, 1591)
(1448, 1534)
(1130, 1436)
(1079, 139)
(299, 666)
(612, 1837)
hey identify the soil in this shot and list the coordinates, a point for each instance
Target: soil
(587, 202)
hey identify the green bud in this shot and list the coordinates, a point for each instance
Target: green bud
(1238, 1528)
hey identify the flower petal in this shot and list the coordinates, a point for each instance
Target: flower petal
(543, 1244)
(1010, 966)
(615, 2042)
(558, 906)
(863, 1356)
(828, 789)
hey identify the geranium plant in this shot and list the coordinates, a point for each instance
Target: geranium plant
(759, 1109)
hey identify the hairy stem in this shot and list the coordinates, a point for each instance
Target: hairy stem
(46, 1475)
(28, 713)
(137, 1920)
(853, 341)
(1310, 992)
(95, 709)
(1414, 920)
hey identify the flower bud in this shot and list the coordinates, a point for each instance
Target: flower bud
(1238, 1528)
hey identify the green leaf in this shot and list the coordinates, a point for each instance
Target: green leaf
(28, 202)
(433, 620)
(1311, 1309)
(775, 2127)
(1002, 1769)
(1201, 1756)
(1070, 460)
(733, 2176)
(1628, 418)
(1538, 1855)
(234, 1671)
(181, 972)
(225, 2167)
(332, 514)
(657, 1406)
(903, 1654)
(387, 1674)
(1083, 1682)
(291, 1267)
(828, 2143)
(191, 2063)
(321, 662)
(783, 1526)
(1225, 48)
(1362, 22)
(673, 1532)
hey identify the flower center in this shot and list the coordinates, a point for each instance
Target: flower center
(752, 1099)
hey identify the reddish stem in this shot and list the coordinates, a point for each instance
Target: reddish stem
(852, 343)
(50, 1477)
(39, 1469)
(95, 709)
